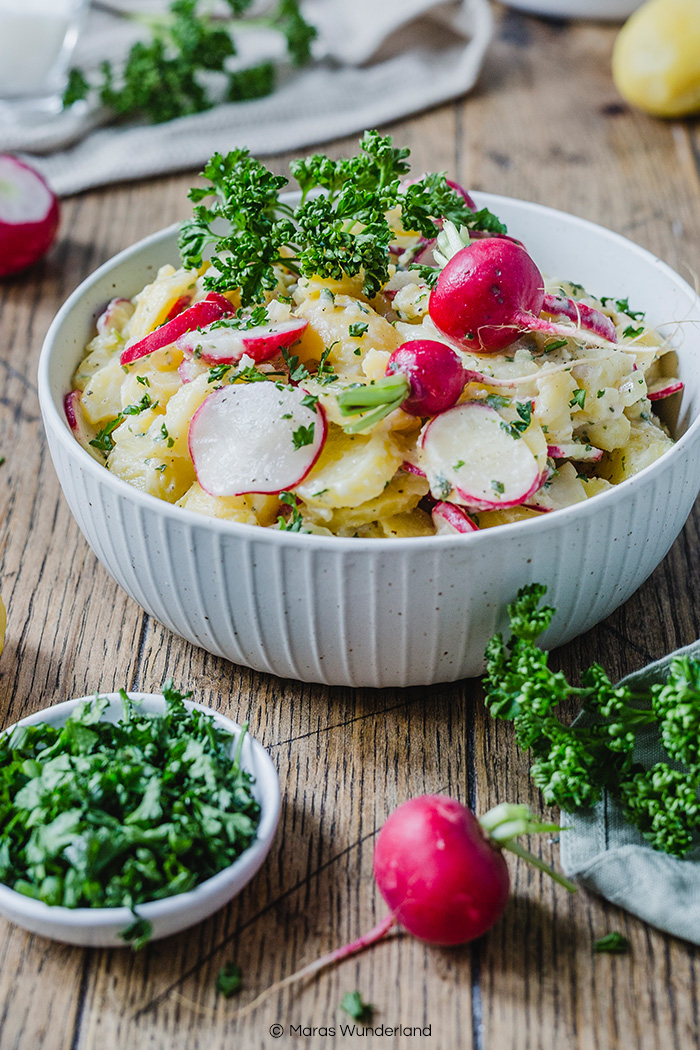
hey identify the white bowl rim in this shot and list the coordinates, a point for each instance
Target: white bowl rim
(51, 915)
(347, 543)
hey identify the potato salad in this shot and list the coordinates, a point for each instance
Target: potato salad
(380, 360)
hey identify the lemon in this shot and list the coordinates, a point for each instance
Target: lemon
(656, 58)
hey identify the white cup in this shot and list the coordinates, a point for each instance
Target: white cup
(37, 38)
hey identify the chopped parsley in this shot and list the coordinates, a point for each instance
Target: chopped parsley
(498, 487)
(622, 306)
(357, 329)
(297, 372)
(632, 332)
(228, 980)
(613, 943)
(578, 399)
(310, 401)
(103, 440)
(324, 372)
(303, 436)
(518, 427)
(354, 1005)
(601, 393)
(556, 344)
(458, 464)
(496, 401)
(295, 522)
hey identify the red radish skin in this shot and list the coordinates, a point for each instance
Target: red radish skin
(189, 369)
(201, 314)
(241, 439)
(450, 519)
(665, 389)
(114, 316)
(488, 294)
(435, 374)
(226, 346)
(443, 880)
(411, 468)
(581, 314)
(69, 402)
(178, 306)
(29, 215)
(464, 194)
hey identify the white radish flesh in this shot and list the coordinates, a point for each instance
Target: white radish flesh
(226, 346)
(449, 519)
(29, 215)
(114, 316)
(257, 437)
(574, 450)
(468, 453)
(189, 368)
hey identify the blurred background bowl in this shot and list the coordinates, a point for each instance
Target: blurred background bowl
(600, 10)
(394, 612)
(101, 927)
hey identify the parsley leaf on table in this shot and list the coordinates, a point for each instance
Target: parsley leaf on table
(354, 1005)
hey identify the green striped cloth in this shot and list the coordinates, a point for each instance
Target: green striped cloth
(610, 857)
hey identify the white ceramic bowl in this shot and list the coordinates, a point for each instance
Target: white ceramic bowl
(100, 927)
(392, 612)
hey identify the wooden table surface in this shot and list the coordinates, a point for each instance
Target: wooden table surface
(545, 124)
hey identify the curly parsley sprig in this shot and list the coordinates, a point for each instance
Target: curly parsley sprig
(340, 227)
(163, 76)
(573, 764)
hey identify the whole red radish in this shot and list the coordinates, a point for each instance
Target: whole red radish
(423, 377)
(29, 215)
(444, 880)
(442, 873)
(491, 292)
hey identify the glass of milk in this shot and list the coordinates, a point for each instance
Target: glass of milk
(37, 38)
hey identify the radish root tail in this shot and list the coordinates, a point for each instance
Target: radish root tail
(367, 939)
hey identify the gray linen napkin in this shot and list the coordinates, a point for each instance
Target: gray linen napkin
(608, 856)
(373, 63)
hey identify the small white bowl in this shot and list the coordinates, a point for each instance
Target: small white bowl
(100, 927)
(384, 612)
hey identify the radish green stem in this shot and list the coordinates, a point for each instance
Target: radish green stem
(383, 396)
(367, 939)
(505, 822)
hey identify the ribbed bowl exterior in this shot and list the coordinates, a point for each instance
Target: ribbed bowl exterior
(373, 612)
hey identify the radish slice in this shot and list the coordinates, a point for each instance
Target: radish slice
(411, 468)
(664, 388)
(468, 199)
(575, 450)
(114, 316)
(178, 306)
(82, 431)
(202, 313)
(189, 369)
(226, 346)
(582, 315)
(260, 437)
(449, 519)
(29, 215)
(467, 454)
